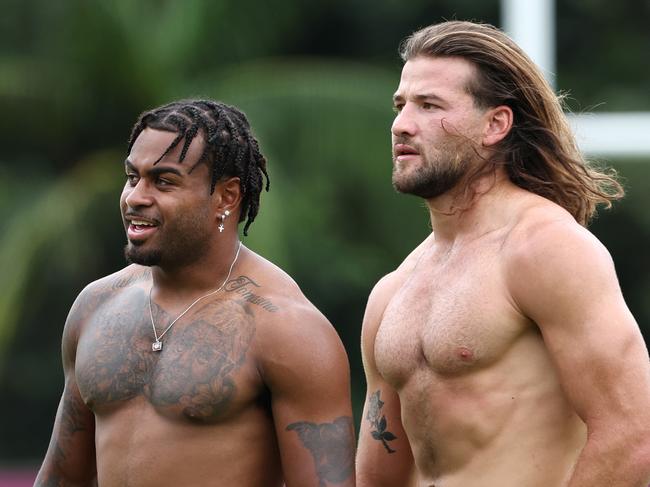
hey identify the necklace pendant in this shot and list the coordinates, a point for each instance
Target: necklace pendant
(156, 346)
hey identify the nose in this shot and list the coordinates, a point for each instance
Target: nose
(404, 123)
(137, 196)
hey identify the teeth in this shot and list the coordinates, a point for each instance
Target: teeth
(141, 223)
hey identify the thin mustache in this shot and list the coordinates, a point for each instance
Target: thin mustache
(133, 215)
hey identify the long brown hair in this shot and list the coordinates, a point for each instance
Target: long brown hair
(540, 152)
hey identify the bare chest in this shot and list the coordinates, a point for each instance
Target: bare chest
(203, 373)
(448, 321)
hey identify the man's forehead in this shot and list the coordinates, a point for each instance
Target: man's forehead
(435, 75)
(151, 144)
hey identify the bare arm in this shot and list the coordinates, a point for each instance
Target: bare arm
(70, 458)
(565, 281)
(306, 369)
(384, 457)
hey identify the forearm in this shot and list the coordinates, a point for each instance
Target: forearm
(602, 465)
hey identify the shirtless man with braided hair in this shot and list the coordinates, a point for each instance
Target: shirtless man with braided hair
(201, 363)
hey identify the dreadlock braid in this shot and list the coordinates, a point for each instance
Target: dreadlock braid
(230, 149)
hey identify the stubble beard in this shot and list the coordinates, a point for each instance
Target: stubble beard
(188, 242)
(135, 254)
(436, 174)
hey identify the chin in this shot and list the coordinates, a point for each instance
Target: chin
(140, 256)
(422, 189)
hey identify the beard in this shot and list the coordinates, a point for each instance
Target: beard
(135, 254)
(437, 173)
(180, 241)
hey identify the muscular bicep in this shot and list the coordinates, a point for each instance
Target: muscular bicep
(319, 452)
(572, 294)
(309, 382)
(70, 457)
(384, 455)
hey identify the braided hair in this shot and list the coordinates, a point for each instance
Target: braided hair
(230, 149)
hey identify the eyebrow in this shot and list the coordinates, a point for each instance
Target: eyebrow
(421, 97)
(157, 170)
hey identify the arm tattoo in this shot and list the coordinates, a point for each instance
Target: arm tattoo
(331, 445)
(70, 420)
(379, 424)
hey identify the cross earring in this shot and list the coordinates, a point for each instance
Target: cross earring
(223, 218)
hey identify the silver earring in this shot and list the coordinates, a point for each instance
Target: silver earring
(223, 218)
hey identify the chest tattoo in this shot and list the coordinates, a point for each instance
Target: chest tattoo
(196, 369)
(193, 375)
(111, 361)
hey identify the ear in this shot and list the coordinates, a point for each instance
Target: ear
(498, 124)
(227, 196)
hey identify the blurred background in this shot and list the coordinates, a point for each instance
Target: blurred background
(315, 79)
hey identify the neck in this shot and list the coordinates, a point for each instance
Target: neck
(203, 275)
(455, 215)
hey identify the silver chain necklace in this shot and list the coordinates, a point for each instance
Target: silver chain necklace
(157, 345)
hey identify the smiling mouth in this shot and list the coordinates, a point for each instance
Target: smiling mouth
(138, 228)
(140, 225)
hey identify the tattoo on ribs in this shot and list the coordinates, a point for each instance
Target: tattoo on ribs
(331, 445)
(239, 286)
(379, 432)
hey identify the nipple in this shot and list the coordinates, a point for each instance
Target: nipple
(465, 354)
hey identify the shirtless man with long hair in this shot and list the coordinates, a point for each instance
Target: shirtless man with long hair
(500, 353)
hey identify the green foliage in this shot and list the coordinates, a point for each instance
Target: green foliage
(58, 210)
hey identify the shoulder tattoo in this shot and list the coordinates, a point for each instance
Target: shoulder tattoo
(130, 278)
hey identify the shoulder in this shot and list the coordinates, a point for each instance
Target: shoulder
(548, 253)
(289, 327)
(95, 295)
(103, 289)
(299, 347)
(545, 236)
(391, 282)
(385, 289)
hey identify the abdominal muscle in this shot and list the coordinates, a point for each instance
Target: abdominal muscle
(505, 425)
(136, 446)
